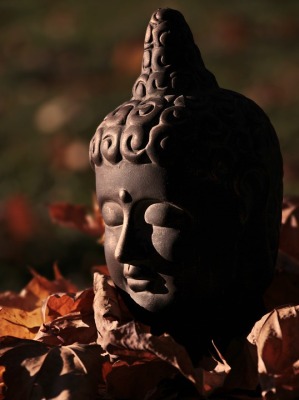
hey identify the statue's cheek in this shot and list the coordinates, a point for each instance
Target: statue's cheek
(111, 239)
(167, 243)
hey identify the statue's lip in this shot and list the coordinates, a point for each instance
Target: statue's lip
(138, 278)
(139, 285)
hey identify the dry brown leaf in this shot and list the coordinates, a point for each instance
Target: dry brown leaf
(37, 290)
(19, 323)
(68, 318)
(276, 337)
(130, 341)
(40, 287)
(15, 300)
(77, 217)
(36, 371)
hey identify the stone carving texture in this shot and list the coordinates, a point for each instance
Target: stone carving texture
(213, 143)
(178, 114)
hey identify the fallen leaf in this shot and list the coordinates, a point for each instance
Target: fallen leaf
(68, 318)
(77, 217)
(276, 337)
(131, 342)
(44, 372)
(19, 323)
(37, 290)
(20, 358)
(61, 304)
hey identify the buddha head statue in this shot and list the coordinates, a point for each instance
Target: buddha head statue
(189, 181)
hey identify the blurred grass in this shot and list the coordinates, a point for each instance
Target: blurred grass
(65, 64)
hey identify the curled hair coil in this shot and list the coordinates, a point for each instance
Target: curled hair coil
(109, 145)
(133, 143)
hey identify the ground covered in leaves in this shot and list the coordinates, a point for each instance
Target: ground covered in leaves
(59, 342)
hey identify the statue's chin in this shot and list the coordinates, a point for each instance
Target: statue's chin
(150, 302)
(143, 293)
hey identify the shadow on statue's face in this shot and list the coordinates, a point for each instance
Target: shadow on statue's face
(145, 232)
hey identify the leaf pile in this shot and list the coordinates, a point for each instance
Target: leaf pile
(20, 313)
(63, 344)
(43, 372)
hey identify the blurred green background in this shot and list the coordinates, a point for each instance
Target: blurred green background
(65, 64)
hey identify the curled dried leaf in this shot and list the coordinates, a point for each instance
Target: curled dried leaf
(68, 318)
(127, 340)
(276, 337)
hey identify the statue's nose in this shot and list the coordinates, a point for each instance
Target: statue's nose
(128, 248)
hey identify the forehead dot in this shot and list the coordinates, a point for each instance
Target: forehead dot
(124, 196)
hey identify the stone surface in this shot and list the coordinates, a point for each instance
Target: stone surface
(189, 180)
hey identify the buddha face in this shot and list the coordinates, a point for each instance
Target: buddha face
(145, 232)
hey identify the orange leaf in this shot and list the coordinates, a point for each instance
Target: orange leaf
(41, 287)
(61, 304)
(68, 318)
(38, 289)
(69, 214)
(19, 323)
(77, 217)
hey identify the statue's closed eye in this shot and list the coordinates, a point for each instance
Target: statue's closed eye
(112, 214)
(168, 222)
(166, 215)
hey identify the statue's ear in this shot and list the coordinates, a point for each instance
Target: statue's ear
(251, 188)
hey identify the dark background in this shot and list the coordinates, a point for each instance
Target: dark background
(65, 64)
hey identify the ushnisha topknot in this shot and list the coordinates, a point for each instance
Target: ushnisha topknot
(172, 79)
(172, 63)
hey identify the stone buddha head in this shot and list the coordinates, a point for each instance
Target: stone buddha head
(189, 181)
